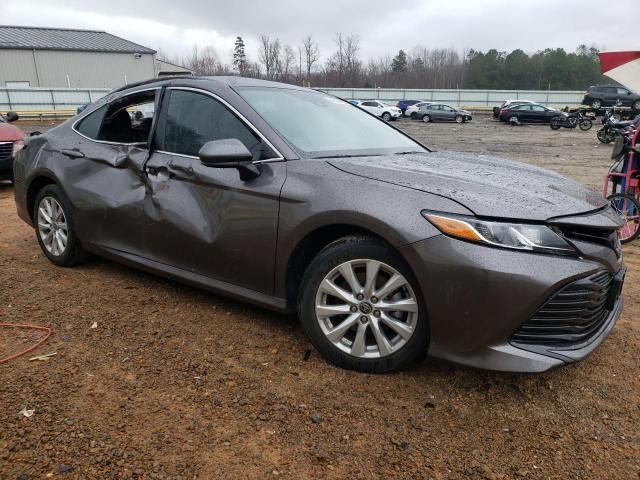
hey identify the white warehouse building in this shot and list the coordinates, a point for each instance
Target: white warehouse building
(69, 58)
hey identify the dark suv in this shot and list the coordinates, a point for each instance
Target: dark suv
(610, 95)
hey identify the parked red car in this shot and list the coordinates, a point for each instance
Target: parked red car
(11, 142)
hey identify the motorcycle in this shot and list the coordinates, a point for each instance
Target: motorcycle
(571, 121)
(612, 128)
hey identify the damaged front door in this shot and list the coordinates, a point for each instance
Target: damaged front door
(106, 161)
(216, 224)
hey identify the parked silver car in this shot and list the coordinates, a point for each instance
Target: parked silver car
(440, 112)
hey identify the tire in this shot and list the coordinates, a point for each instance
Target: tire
(414, 115)
(596, 104)
(585, 124)
(514, 120)
(426, 118)
(459, 119)
(49, 201)
(636, 105)
(386, 116)
(556, 123)
(373, 354)
(603, 136)
(629, 209)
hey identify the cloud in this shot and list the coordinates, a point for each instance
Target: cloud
(384, 27)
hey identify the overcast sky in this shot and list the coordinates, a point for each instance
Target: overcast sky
(384, 26)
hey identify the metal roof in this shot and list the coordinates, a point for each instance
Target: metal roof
(42, 38)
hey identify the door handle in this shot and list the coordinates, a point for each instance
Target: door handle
(73, 153)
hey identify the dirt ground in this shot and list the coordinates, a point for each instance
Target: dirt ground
(178, 383)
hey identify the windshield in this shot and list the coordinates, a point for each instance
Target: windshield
(318, 125)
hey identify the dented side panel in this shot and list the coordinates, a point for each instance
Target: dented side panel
(206, 220)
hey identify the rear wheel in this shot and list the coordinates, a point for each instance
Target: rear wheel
(629, 209)
(585, 124)
(361, 308)
(386, 116)
(596, 104)
(556, 123)
(54, 228)
(426, 118)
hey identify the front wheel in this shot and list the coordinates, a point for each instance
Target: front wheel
(585, 124)
(459, 119)
(604, 136)
(386, 116)
(514, 120)
(426, 118)
(54, 228)
(629, 209)
(596, 104)
(636, 105)
(361, 307)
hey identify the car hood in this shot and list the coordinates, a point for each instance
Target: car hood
(488, 186)
(10, 133)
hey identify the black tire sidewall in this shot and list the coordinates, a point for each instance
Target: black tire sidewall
(637, 205)
(69, 257)
(329, 258)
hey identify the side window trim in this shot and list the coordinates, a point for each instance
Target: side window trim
(278, 158)
(75, 124)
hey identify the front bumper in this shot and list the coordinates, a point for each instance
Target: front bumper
(6, 166)
(478, 296)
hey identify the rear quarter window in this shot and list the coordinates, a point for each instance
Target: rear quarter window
(90, 125)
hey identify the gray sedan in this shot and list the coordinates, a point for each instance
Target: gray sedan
(384, 249)
(440, 112)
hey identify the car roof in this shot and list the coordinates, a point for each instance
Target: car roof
(230, 81)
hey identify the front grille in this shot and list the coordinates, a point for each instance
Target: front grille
(6, 150)
(602, 236)
(573, 314)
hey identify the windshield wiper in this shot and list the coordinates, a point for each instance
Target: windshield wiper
(346, 156)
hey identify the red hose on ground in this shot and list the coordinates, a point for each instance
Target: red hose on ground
(33, 347)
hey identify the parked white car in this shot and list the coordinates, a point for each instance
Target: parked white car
(381, 109)
(412, 110)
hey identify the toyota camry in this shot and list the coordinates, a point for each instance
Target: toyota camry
(298, 201)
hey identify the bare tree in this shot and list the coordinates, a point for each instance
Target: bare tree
(311, 56)
(203, 62)
(344, 66)
(287, 63)
(269, 56)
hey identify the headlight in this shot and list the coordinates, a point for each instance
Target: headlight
(17, 146)
(517, 236)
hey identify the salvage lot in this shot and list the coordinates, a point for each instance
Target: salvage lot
(178, 383)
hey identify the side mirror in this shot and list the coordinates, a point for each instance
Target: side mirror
(229, 153)
(11, 117)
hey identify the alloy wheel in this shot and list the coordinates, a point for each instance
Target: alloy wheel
(366, 308)
(52, 226)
